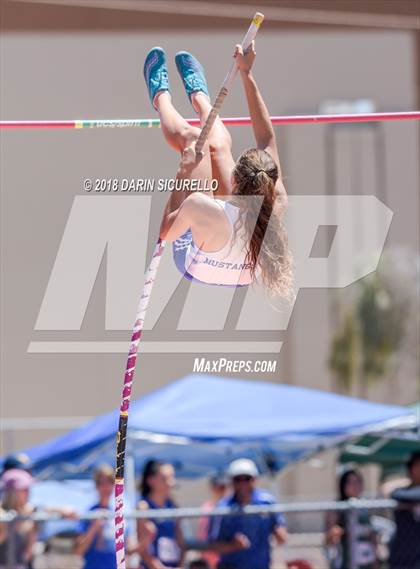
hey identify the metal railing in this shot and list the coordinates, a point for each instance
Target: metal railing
(197, 512)
(348, 511)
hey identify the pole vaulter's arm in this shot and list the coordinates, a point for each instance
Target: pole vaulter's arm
(260, 117)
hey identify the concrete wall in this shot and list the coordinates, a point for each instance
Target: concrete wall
(97, 74)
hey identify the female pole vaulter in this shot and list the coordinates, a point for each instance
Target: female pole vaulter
(232, 236)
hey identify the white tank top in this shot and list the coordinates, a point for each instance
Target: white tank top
(227, 266)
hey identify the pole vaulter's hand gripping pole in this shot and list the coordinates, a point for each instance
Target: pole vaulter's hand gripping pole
(141, 315)
(227, 83)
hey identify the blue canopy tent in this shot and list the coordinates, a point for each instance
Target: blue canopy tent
(202, 422)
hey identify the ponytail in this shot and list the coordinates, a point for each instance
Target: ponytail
(256, 175)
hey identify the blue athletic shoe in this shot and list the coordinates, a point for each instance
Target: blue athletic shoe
(155, 72)
(192, 73)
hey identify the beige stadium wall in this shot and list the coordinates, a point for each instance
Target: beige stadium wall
(96, 73)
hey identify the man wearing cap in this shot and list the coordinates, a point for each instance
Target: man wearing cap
(256, 529)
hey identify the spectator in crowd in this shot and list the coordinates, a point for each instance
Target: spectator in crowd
(218, 486)
(96, 542)
(405, 545)
(244, 541)
(160, 541)
(17, 538)
(337, 537)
